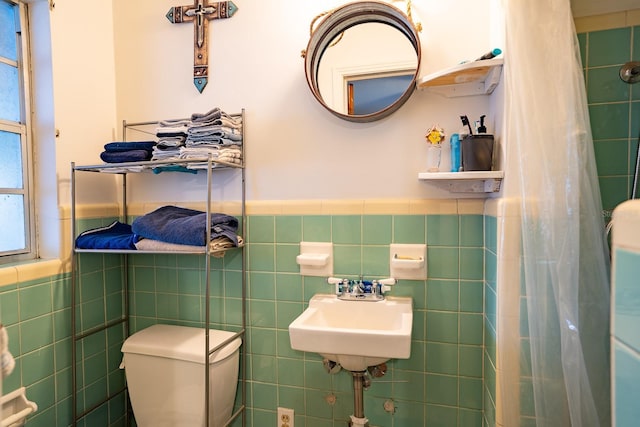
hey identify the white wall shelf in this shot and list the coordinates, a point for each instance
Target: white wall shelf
(470, 78)
(465, 182)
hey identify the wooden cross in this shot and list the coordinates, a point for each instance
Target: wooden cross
(201, 13)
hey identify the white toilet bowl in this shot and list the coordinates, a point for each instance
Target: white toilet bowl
(164, 366)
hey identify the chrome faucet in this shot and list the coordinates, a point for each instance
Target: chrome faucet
(361, 290)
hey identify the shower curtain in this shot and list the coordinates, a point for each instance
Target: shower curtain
(550, 170)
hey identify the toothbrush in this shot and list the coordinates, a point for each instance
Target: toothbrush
(465, 122)
(489, 55)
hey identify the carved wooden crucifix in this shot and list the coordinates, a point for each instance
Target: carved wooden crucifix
(201, 13)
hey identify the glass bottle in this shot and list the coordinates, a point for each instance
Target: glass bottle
(434, 152)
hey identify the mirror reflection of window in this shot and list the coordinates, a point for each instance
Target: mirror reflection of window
(369, 95)
(364, 50)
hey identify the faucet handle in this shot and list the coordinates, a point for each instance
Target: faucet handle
(361, 289)
(384, 285)
(338, 282)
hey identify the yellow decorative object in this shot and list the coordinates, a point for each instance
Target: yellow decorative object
(435, 135)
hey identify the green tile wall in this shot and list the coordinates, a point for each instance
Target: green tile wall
(614, 109)
(488, 360)
(37, 315)
(440, 385)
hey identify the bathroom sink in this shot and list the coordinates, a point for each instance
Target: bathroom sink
(355, 334)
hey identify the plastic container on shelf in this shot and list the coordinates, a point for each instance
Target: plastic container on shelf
(477, 152)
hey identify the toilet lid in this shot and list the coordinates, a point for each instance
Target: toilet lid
(180, 342)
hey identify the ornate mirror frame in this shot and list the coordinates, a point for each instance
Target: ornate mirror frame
(339, 20)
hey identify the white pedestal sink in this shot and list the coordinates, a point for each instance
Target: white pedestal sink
(355, 334)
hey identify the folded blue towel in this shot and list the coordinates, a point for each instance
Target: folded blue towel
(114, 236)
(166, 133)
(128, 146)
(183, 226)
(126, 156)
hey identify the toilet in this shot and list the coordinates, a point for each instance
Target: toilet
(164, 367)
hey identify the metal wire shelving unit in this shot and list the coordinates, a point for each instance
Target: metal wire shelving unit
(77, 336)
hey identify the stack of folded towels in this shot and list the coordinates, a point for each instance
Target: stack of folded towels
(122, 152)
(172, 135)
(174, 228)
(214, 128)
(216, 134)
(168, 228)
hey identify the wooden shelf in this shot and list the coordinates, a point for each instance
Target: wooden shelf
(466, 182)
(470, 78)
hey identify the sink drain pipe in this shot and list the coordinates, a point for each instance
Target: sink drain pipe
(358, 418)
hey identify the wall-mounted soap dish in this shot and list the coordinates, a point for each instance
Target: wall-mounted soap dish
(315, 259)
(408, 261)
(16, 408)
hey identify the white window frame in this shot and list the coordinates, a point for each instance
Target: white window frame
(23, 128)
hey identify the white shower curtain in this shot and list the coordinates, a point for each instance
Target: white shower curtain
(550, 169)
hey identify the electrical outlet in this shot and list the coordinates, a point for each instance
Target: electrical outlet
(285, 417)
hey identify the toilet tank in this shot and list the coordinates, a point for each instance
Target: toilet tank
(164, 366)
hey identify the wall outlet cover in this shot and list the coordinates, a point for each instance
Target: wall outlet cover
(285, 417)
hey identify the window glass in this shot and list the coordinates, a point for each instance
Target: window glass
(17, 227)
(10, 90)
(10, 160)
(8, 48)
(12, 223)
(377, 93)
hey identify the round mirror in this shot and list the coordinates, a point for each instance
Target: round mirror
(362, 61)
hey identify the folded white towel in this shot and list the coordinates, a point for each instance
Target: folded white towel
(166, 155)
(230, 159)
(124, 169)
(233, 152)
(216, 246)
(164, 130)
(199, 152)
(178, 122)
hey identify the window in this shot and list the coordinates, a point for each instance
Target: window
(369, 95)
(16, 208)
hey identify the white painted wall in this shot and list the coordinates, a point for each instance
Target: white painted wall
(82, 58)
(295, 149)
(73, 96)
